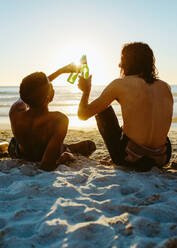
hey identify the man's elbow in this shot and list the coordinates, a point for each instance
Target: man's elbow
(83, 116)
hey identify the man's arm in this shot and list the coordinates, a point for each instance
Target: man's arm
(53, 149)
(54, 75)
(108, 95)
(66, 69)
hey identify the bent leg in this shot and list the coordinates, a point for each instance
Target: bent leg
(85, 148)
(111, 132)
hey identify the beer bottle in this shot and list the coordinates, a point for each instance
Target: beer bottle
(72, 77)
(84, 70)
(84, 67)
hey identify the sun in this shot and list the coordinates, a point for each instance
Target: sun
(72, 52)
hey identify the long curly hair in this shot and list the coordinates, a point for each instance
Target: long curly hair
(137, 58)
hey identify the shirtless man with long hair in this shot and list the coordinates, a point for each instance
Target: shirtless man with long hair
(147, 105)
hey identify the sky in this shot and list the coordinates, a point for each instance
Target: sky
(44, 35)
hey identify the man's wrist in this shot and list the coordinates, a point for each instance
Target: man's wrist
(61, 70)
(65, 70)
(86, 92)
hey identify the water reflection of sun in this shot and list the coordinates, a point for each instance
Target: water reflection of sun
(75, 123)
(75, 88)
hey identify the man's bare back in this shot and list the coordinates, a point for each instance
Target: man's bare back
(146, 109)
(33, 130)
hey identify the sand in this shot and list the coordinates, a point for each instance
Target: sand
(87, 203)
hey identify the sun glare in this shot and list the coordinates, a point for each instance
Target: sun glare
(75, 123)
(73, 53)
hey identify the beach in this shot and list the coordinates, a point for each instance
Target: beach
(89, 202)
(65, 67)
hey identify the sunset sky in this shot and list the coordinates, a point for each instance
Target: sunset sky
(43, 35)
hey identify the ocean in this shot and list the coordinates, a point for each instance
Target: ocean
(66, 100)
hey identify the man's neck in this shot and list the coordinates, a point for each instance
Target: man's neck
(39, 110)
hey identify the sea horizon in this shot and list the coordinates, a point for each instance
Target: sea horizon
(66, 100)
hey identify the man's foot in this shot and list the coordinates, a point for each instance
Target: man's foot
(85, 148)
(65, 157)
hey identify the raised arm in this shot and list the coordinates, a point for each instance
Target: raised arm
(108, 95)
(66, 69)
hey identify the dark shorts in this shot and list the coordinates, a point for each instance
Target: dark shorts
(146, 162)
(14, 150)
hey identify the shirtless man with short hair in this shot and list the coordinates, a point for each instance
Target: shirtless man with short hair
(147, 107)
(38, 133)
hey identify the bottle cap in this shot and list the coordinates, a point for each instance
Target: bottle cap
(83, 59)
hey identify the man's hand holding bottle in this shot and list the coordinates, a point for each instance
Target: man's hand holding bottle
(85, 84)
(71, 68)
(82, 68)
(74, 71)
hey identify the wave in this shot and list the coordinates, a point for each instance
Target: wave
(5, 105)
(68, 114)
(63, 104)
(8, 93)
(7, 115)
(9, 99)
(4, 115)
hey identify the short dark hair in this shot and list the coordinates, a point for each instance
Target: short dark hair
(34, 89)
(138, 58)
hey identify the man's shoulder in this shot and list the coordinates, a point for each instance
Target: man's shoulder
(57, 122)
(57, 117)
(17, 107)
(116, 84)
(122, 82)
(117, 81)
(164, 85)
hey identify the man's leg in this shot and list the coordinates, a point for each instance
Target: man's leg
(85, 148)
(110, 131)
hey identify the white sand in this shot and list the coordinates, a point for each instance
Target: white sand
(86, 205)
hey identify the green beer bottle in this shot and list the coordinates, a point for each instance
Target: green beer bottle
(84, 67)
(72, 77)
(84, 70)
